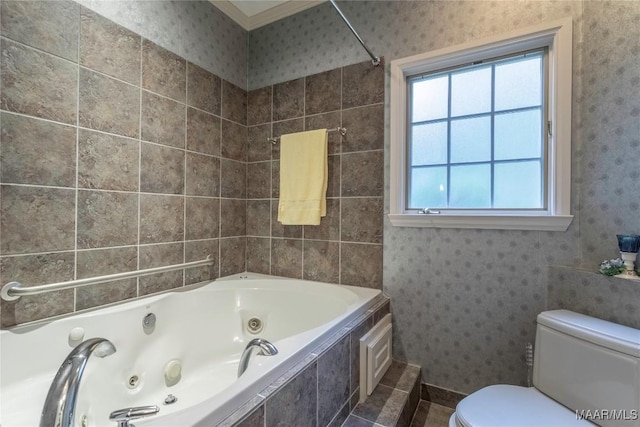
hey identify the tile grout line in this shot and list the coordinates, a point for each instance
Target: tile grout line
(219, 195)
(77, 160)
(184, 183)
(138, 290)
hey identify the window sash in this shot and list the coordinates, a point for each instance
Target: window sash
(449, 72)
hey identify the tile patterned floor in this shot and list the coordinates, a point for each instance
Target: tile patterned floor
(431, 415)
(427, 415)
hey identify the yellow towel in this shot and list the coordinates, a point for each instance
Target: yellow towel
(303, 178)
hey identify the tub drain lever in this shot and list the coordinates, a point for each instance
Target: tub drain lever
(124, 416)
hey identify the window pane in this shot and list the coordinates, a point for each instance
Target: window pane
(518, 185)
(471, 91)
(429, 144)
(518, 135)
(471, 140)
(428, 187)
(470, 186)
(430, 98)
(519, 83)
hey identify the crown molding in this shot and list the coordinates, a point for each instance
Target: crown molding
(263, 18)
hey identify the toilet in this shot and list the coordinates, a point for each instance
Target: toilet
(582, 366)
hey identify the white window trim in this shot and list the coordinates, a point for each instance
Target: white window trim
(557, 35)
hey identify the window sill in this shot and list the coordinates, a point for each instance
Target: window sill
(484, 222)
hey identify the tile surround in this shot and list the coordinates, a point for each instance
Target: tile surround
(318, 391)
(111, 161)
(325, 252)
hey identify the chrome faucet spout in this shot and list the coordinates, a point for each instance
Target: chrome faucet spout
(266, 349)
(59, 406)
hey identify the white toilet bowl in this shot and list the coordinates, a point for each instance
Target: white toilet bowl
(512, 406)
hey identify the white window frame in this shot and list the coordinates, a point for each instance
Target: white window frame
(557, 37)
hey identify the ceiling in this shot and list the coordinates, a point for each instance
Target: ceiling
(252, 14)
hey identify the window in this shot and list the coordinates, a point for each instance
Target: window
(481, 133)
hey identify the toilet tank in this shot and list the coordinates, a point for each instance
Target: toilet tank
(589, 365)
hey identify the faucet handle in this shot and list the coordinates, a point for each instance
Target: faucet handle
(123, 416)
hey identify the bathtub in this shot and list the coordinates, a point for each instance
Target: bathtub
(203, 329)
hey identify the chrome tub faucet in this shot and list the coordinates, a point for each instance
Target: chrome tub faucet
(266, 349)
(60, 404)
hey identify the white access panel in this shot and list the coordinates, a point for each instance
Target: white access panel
(375, 356)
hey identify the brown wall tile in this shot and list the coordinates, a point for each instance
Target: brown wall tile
(204, 90)
(202, 218)
(333, 178)
(107, 162)
(203, 175)
(234, 141)
(275, 179)
(233, 218)
(109, 48)
(362, 220)
(365, 127)
(36, 219)
(234, 103)
(107, 219)
(100, 262)
(258, 255)
(163, 72)
(362, 84)
(363, 174)
(258, 217)
(37, 152)
(322, 92)
(232, 255)
(37, 270)
(157, 256)
(163, 120)
(37, 84)
(288, 100)
(233, 178)
(108, 105)
(286, 258)
(161, 218)
(259, 148)
(161, 169)
(259, 106)
(321, 261)
(361, 265)
(203, 132)
(48, 26)
(196, 251)
(259, 180)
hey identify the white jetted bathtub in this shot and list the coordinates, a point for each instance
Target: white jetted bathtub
(200, 333)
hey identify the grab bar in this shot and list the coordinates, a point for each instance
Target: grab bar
(14, 290)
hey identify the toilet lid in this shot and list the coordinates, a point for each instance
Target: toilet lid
(513, 406)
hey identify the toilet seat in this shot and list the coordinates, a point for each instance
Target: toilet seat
(512, 406)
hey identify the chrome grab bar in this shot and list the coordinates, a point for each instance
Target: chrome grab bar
(14, 290)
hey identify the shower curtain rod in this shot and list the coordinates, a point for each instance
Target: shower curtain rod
(374, 59)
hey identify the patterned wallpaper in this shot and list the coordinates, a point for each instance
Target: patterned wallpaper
(195, 30)
(465, 301)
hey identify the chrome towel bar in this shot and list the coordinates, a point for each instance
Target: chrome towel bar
(14, 290)
(343, 132)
